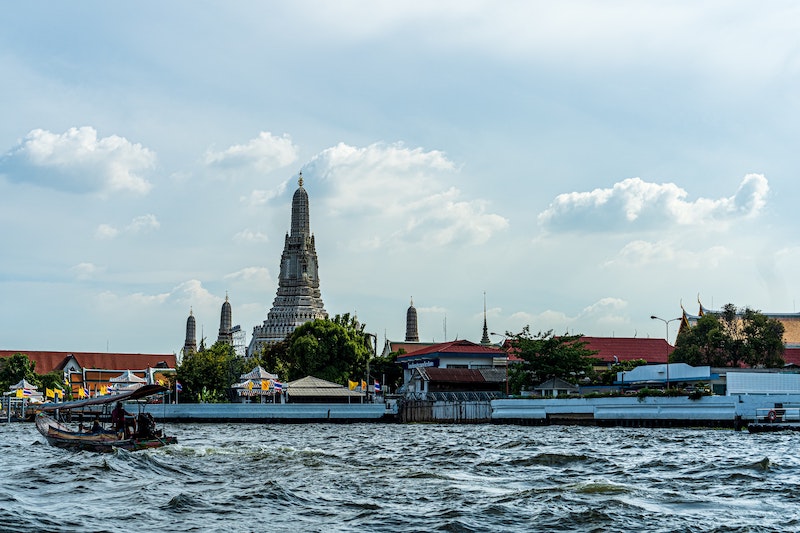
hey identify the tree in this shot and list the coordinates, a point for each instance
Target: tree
(545, 356)
(16, 368)
(207, 375)
(335, 350)
(732, 338)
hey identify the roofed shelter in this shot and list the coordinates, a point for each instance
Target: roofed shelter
(315, 390)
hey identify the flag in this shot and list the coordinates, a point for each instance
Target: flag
(363, 385)
(161, 382)
(60, 393)
(104, 390)
(82, 392)
(249, 385)
(19, 393)
(278, 386)
(178, 386)
(352, 384)
(377, 386)
(49, 393)
(27, 392)
(264, 384)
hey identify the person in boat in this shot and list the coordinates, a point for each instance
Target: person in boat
(96, 425)
(121, 420)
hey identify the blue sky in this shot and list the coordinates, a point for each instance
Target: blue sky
(584, 164)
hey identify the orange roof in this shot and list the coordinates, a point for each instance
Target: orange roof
(653, 351)
(49, 361)
(456, 347)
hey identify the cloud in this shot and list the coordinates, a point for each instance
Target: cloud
(636, 205)
(259, 197)
(251, 275)
(265, 153)
(189, 292)
(248, 236)
(140, 224)
(84, 271)
(642, 253)
(605, 312)
(78, 162)
(404, 191)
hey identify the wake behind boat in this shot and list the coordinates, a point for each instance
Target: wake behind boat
(129, 434)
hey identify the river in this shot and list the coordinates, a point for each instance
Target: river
(407, 478)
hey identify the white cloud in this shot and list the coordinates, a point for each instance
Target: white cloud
(140, 224)
(77, 161)
(252, 275)
(265, 153)
(250, 236)
(637, 205)
(143, 223)
(260, 197)
(105, 231)
(404, 192)
(84, 271)
(642, 253)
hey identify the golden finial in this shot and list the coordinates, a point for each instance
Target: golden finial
(300, 179)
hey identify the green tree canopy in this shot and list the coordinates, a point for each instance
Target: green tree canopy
(15, 368)
(545, 356)
(609, 375)
(732, 338)
(207, 375)
(335, 350)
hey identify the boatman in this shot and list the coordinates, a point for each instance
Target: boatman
(118, 420)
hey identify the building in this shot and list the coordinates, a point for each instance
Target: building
(412, 335)
(91, 370)
(299, 299)
(454, 354)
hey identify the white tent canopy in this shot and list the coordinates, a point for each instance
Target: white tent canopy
(128, 377)
(25, 385)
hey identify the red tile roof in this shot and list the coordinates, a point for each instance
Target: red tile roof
(627, 348)
(458, 348)
(49, 361)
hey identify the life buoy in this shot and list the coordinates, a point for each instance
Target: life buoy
(771, 416)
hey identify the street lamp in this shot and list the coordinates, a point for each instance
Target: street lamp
(504, 338)
(666, 338)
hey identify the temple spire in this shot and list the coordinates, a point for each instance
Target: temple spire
(411, 323)
(485, 339)
(298, 299)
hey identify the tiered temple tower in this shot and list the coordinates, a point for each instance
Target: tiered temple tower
(299, 299)
(411, 323)
(225, 323)
(190, 344)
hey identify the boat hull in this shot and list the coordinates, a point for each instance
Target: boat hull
(60, 436)
(772, 427)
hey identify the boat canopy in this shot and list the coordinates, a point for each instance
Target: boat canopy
(142, 392)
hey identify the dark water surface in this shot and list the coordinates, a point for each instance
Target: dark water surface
(404, 478)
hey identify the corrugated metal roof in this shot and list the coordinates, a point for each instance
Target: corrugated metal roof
(455, 348)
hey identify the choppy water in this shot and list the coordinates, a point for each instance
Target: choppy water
(375, 477)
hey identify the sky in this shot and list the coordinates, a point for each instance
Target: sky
(569, 166)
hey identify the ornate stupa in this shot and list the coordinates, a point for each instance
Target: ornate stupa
(190, 344)
(411, 323)
(299, 299)
(225, 323)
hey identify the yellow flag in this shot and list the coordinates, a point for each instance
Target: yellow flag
(81, 392)
(60, 393)
(20, 394)
(264, 384)
(352, 384)
(49, 393)
(249, 385)
(363, 385)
